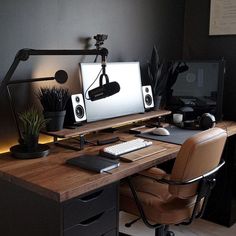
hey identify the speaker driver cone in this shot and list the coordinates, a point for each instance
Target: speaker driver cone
(148, 99)
(79, 111)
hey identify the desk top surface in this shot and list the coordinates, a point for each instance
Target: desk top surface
(51, 177)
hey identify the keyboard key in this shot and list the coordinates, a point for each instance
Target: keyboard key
(114, 151)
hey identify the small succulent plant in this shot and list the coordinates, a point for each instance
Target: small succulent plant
(32, 121)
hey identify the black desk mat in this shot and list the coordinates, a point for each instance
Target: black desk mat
(177, 135)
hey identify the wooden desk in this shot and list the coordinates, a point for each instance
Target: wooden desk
(52, 178)
(48, 187)
(47, 197)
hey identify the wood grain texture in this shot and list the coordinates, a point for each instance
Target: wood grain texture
(109, 123)
(52, 178)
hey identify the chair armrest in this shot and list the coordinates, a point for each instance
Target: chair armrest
(154, 173)
(159, 178)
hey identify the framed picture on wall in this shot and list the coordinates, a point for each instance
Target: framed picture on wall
(222, 17)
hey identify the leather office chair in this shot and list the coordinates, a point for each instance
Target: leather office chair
(180, 197)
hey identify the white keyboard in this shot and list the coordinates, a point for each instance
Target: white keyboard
(125, 147)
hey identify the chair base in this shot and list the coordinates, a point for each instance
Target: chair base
(170, 233)
(163, 231)
(129, 224)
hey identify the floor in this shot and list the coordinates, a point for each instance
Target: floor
(198, 228)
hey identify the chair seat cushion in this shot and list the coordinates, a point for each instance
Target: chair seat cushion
(158, 204)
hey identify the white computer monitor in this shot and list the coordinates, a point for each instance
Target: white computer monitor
(128, 100)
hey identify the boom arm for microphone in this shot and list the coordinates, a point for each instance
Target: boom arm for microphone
(104, 90)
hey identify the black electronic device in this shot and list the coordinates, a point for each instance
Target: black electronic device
(197, 84)
(103, 91)
(108, 141)
(207, 121)
(188, 113)
(75, 110)
(203, 122)
(95, 163)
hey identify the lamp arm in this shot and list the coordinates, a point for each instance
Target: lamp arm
(25, 53)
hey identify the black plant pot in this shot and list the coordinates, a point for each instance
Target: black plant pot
(31, 143)
(56, 120)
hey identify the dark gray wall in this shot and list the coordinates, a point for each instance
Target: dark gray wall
(133, 26)
(199, 45)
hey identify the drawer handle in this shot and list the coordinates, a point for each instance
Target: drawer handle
(92, 196)
(91, 220)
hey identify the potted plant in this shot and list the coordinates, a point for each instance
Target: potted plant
(31, 122)
(54, 102)
(158, 73)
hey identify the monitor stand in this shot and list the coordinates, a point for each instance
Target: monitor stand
(73, 126)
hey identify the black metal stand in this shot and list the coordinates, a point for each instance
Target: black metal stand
(82, 142)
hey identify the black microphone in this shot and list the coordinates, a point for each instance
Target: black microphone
(104, 91)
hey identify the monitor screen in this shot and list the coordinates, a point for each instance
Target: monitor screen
(200, 86)
(128, 100)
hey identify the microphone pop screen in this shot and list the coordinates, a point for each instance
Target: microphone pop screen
(104, 91)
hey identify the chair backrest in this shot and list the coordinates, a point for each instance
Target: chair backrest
(197, 156)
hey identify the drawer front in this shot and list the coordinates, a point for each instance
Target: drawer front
(82, 208)
(95, 226)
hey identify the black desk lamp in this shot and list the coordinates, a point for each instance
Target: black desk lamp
(60, 76)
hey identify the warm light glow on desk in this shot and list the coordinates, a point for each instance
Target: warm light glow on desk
(6, 146)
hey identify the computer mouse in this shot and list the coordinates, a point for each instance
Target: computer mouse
(161, 131)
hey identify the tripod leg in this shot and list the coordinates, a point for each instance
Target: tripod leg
(132, 222)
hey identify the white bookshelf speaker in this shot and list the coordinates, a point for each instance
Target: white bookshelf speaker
(147, 97)
(75, 110)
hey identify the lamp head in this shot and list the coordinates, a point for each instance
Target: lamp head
(61, 76)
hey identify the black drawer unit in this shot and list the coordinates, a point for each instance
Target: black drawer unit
(95, 213)
(84, 207)
(95, 226)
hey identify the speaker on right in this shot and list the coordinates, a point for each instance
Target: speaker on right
(147, 97)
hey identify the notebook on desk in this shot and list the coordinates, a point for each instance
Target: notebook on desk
(95, 163)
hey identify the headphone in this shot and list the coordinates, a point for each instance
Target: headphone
(207, 121)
